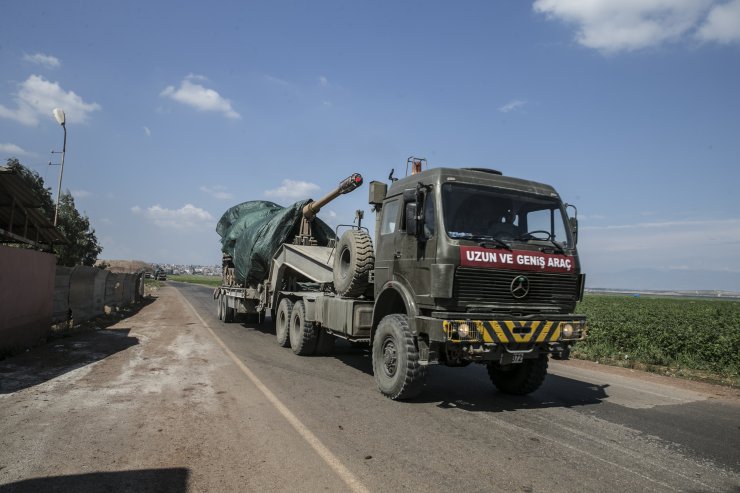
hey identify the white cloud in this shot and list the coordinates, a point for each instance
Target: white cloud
(722, 25)
(323, 81)
(217, 192)
(512, 105)
(199, 97)
(47, 61)
(626, 25)
(14, 150)
(80, 194)
(37, 97)
(147, 132)
(187, 217)
(709, 244)
(294, 190)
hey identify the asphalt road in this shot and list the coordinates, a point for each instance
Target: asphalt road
(588, 428)
(170, 399)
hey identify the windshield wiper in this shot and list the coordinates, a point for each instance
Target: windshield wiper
(498, 242)
(529, 237)
(557, 246)
(480, 238)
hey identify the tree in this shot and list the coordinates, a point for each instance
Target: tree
(37, 184)
(83, 247)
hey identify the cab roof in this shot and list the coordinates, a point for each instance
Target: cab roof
(477, 176)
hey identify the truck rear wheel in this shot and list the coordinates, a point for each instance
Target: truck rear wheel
(282, 322)
(396, 359)
(520, 379)
(220, 307)
(229, 314)
(302, 332)
(353, 261)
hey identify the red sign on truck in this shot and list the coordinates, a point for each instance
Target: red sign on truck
(515, 259)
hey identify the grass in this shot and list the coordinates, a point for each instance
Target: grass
(197, 279)
(693, 338)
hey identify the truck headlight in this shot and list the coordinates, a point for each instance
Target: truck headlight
(568, 331)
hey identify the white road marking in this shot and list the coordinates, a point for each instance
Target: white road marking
(331, 460)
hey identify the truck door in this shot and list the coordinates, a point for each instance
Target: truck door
(416, 255)
(386, 251)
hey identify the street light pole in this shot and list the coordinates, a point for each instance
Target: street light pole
(59, 115)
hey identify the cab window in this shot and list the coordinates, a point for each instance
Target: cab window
(390, 217)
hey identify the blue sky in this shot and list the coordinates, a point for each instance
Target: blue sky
(177, 111)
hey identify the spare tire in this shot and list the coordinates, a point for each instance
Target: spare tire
(353, 261)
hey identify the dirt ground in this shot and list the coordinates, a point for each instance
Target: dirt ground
(148, 404)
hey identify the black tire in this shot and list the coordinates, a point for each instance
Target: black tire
(396, 367)
(229, 313)
(325, 343)
(353, 261)
(302, 333)
(520, 379)
(282, 322)
(220, 307)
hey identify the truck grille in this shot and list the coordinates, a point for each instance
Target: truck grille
(476, 286)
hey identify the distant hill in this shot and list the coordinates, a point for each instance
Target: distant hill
(126, 266)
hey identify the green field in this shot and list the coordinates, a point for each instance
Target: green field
(679, 336)
(196, 279)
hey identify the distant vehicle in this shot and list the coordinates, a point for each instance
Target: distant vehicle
(160, 275)
(148, 275)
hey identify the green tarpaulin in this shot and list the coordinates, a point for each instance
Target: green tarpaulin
(252, 232)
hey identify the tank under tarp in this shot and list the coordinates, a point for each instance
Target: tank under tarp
(252, 232)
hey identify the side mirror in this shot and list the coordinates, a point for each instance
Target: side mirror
(574, 228)
(573, 222)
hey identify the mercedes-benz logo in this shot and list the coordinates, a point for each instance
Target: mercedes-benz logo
(519, 287)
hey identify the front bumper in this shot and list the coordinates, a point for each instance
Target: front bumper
(524, 331)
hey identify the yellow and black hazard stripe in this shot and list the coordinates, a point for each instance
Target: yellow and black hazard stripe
(503, 331)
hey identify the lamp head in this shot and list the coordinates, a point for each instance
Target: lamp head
(59, 115)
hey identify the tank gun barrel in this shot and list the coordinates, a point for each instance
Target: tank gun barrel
(345, 186)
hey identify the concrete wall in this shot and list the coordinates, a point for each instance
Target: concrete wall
(34, 293)
(83, 293)
(26, 296)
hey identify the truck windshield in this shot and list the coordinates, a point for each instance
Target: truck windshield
(482, 213)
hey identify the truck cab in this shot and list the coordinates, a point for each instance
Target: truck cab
(481, 268)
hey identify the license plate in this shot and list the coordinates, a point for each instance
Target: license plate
(511, 359)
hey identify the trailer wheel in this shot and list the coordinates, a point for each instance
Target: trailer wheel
(282, 322)
(220, 307)
(302, 333)
(520, 379)
(396, 359)
(229, 313)
(353, 261)
(325, 343)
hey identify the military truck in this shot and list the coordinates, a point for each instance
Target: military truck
(468, 266)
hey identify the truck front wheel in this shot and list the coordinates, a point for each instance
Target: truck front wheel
(396, 359)
(282, 322)
(520, 379)
(302, 332)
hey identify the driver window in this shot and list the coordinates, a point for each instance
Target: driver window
(390, 217)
